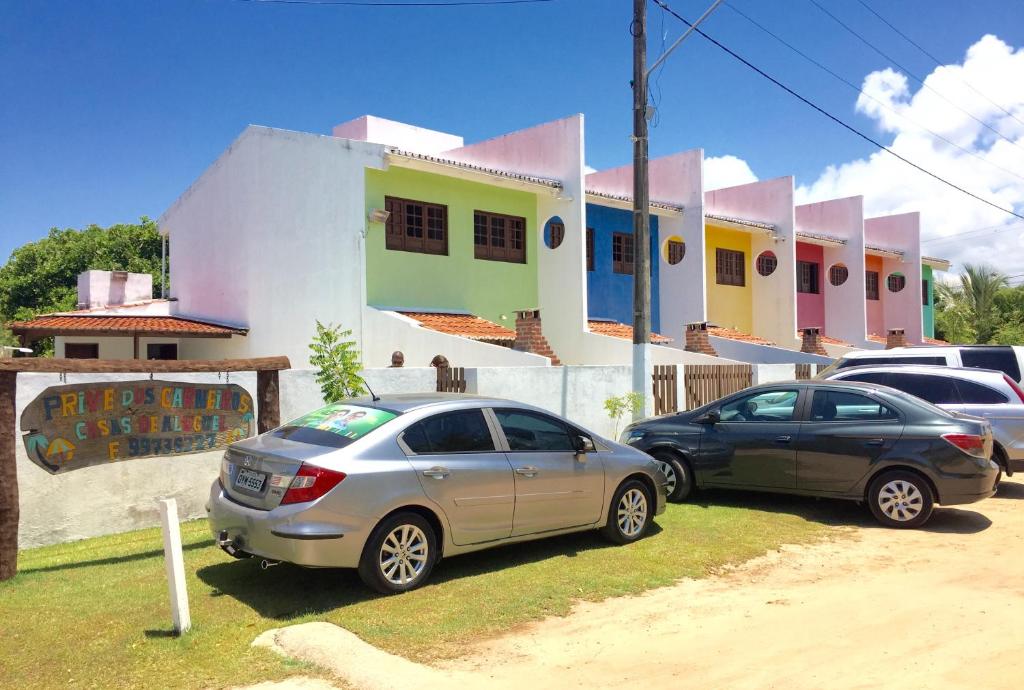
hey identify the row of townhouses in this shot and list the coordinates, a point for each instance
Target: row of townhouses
(505, 252)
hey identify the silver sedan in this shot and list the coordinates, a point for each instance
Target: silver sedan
(390, 485)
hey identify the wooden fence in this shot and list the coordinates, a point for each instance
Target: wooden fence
(707, 382)
(451, 379)
(666, 398)
(804, 371)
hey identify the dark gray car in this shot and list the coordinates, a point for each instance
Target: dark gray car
(390, 485)
(855, 441)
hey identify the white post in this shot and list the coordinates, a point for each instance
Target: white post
(174, 561)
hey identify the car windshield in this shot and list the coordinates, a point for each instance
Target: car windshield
(335, 426)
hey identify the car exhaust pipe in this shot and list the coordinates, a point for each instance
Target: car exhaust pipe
(267, 565)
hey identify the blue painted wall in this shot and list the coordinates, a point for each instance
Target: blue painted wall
(610, 295)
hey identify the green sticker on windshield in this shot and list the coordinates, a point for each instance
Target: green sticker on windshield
(349, 421)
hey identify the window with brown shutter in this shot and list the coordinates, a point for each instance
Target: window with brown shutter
(729, 267)
(416, 226)
(497, 237)
(81, 351)
(676, 251)
(622, 253)
(556, 234)
(871, 284)
(590, 249)
(807, 277)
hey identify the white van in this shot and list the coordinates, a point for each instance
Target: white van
(1008, 359)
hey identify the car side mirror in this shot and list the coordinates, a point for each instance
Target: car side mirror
(709, 417)
(584, 444)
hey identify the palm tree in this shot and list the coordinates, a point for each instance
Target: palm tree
(968, 306)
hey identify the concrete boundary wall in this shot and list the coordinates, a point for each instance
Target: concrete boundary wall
(122, 496)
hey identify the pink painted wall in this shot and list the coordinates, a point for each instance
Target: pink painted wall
(845, 311)
(810, 309)
(876, 321)
(899, 309)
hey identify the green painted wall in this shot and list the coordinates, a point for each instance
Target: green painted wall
(458, 281)
(928, 310)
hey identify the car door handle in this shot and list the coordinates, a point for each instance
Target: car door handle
(875, 441)
(783, 439)
(527, 471)
(436, 472)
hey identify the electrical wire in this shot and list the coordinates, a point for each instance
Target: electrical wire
(934, 59)
(834, 118)
(913, 76)
(990, 229)
(860, 91)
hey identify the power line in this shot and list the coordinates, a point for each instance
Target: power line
(934, 59)
(366, 3)
(976, 231)
(832, 117)
(860, 91)
(916, 78)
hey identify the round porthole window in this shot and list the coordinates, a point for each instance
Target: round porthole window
(896, 282)
(838, 274)
(674, 250)
(767, 262)
(554, 232)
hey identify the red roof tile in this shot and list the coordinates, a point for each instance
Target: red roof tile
(934, 341)
(462, 325)
(621, 330)
(876, 338)
(95, 324)
(732, 334)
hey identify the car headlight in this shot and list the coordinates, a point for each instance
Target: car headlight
(631, 436)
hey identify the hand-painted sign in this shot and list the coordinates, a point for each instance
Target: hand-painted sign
(74, 426)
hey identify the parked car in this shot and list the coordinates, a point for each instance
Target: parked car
(1008, 359)
(979, 392)
(390, 485)
(856, 441)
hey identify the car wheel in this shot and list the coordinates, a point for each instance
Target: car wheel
(901, 499)
(999, 457)
(680, 481)
(630, 513)
(399, 554)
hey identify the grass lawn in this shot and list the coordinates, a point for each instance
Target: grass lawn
(94, 613)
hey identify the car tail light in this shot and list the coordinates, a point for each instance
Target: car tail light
(1016, 388)
(310, 483)
(972, 444)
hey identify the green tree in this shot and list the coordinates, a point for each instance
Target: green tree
(616, 406)
(336, 361)
(42, 276)
(967, 309)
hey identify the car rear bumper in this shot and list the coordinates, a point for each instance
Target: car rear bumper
(299, 533)
(968, 489)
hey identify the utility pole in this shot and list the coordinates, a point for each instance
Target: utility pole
(641, 212)
(642, 370)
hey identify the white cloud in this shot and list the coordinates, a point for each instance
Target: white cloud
(891, 186)
(726, 171)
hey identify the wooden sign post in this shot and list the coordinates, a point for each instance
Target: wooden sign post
(268, 415)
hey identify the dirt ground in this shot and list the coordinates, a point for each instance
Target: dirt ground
(941, 607)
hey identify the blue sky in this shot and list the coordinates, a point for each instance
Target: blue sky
(109, 109)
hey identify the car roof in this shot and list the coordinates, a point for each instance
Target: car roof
(922, 351)
(823, 383)
(404, 402)
(957, 372)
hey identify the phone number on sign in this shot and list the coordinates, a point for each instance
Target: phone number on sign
(140, 446)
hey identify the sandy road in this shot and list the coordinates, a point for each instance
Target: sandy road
(936, 608)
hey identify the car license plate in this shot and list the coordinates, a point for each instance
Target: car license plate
(249, 480)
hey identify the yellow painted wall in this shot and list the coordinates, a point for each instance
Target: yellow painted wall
(728, 305)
